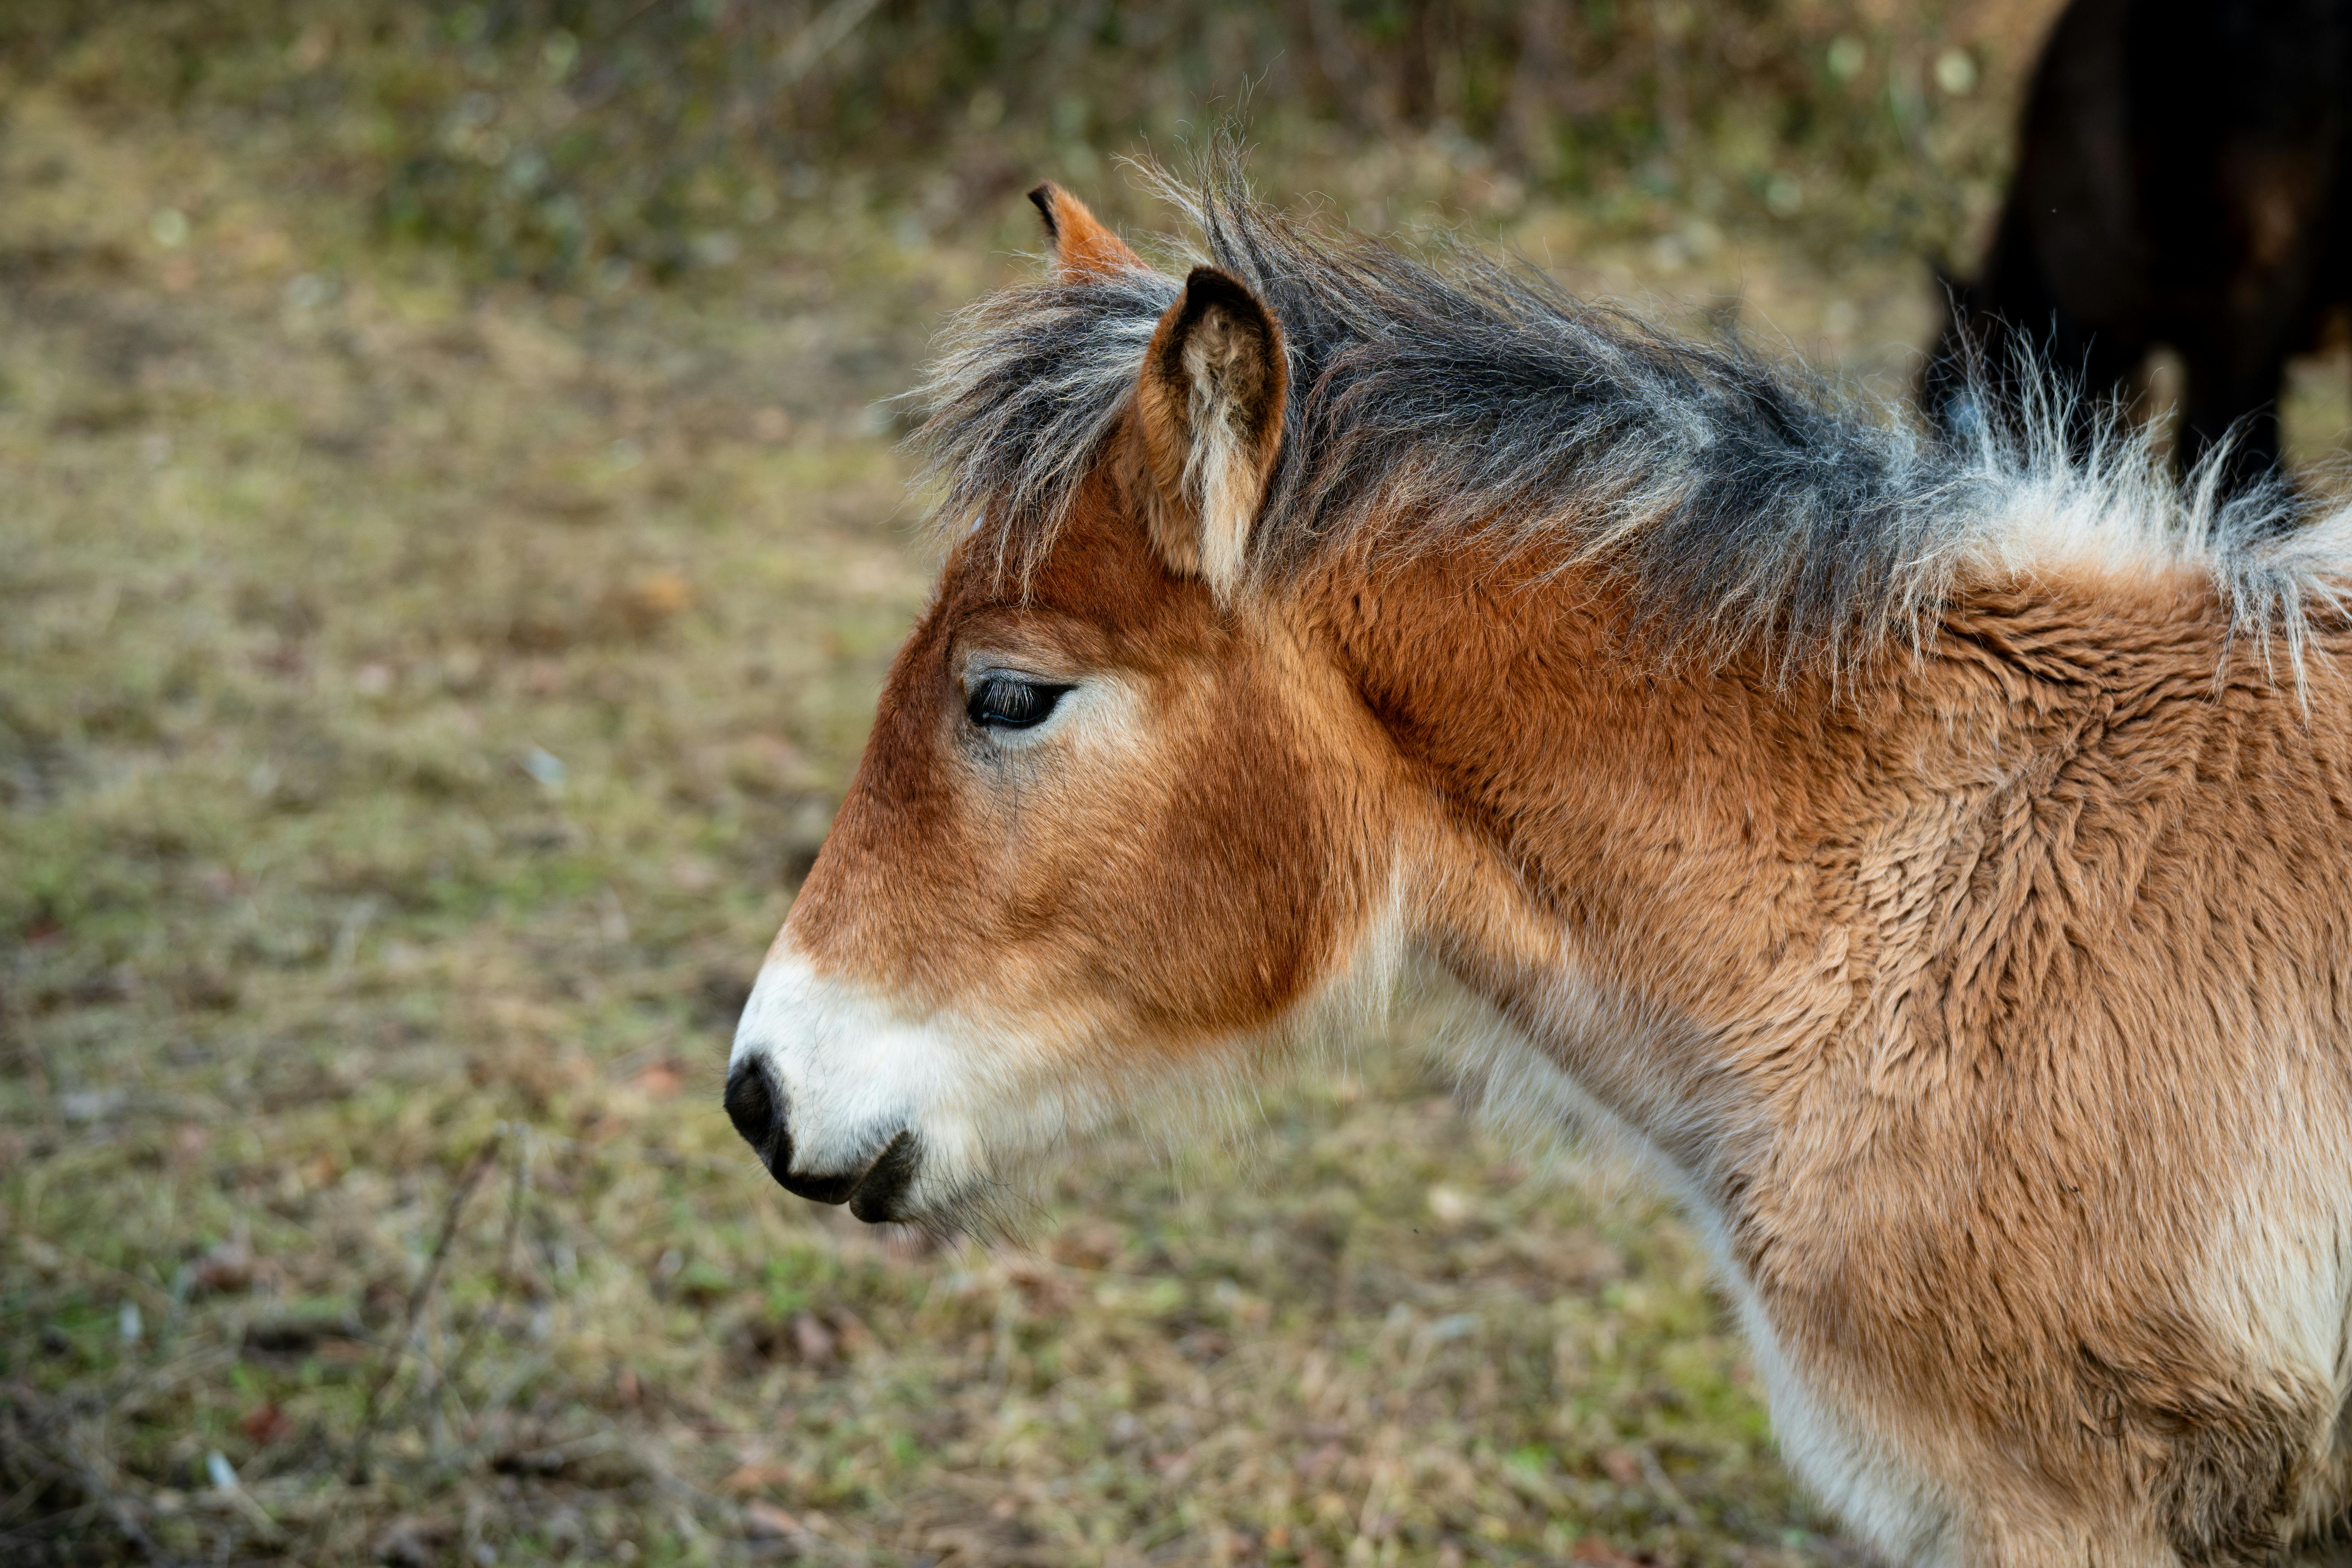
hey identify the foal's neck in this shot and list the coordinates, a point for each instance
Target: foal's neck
(1687, 887)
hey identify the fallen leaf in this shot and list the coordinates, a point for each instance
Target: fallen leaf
(1598, 1553)
(811, 1339)
(266, 1425)
(767, 1520)
(646, 601)
(760, 1478)
(657, 1081)
(413, 1541)
(224, 1269)
(1451, 1205)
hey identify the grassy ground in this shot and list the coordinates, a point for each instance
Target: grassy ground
(417, 702)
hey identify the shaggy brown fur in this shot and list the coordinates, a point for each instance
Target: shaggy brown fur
(1990, 1009)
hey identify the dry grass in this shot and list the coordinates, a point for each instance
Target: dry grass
(415, 705)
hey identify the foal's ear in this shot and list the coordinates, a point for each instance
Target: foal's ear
(1082, 247)
(1209, 411)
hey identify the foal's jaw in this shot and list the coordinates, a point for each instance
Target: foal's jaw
(933, 1116)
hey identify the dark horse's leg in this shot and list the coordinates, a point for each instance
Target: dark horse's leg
(2232, 390)
(2011, 331)
(2237, 123)
(2064, 291)
(2181, 166)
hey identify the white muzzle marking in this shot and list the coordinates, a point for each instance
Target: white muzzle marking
(853, 1072)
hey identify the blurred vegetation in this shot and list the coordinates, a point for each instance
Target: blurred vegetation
(453, 540)
(564, 141)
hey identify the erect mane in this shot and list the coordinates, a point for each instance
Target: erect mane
(1736, 503)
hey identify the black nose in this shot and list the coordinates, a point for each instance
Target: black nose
(758, 1111)
(756, 1105)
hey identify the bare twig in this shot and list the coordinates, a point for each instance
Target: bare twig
(372, 1412)
(1666, 21)
(514, 1191)
(631, 20)
(61, 1255)
(77, 1470)
(1662, 1486)
(495, 1316)
(816, 40)
(24, 1496)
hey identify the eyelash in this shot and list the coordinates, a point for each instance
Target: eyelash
(1009, 702)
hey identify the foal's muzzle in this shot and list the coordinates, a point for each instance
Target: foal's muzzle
(874, 1193)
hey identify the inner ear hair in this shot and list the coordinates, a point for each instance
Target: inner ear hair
(1226, 340)
(1209, 411)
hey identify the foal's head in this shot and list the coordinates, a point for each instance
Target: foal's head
(1111, 823)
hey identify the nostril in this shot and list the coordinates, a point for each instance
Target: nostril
(757, 1111)
(749, 1105)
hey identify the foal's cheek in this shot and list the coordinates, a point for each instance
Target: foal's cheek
(1244, 906)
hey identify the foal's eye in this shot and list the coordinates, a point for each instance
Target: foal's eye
(1008, 702)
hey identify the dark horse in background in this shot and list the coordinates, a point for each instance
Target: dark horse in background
(2184, 178)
